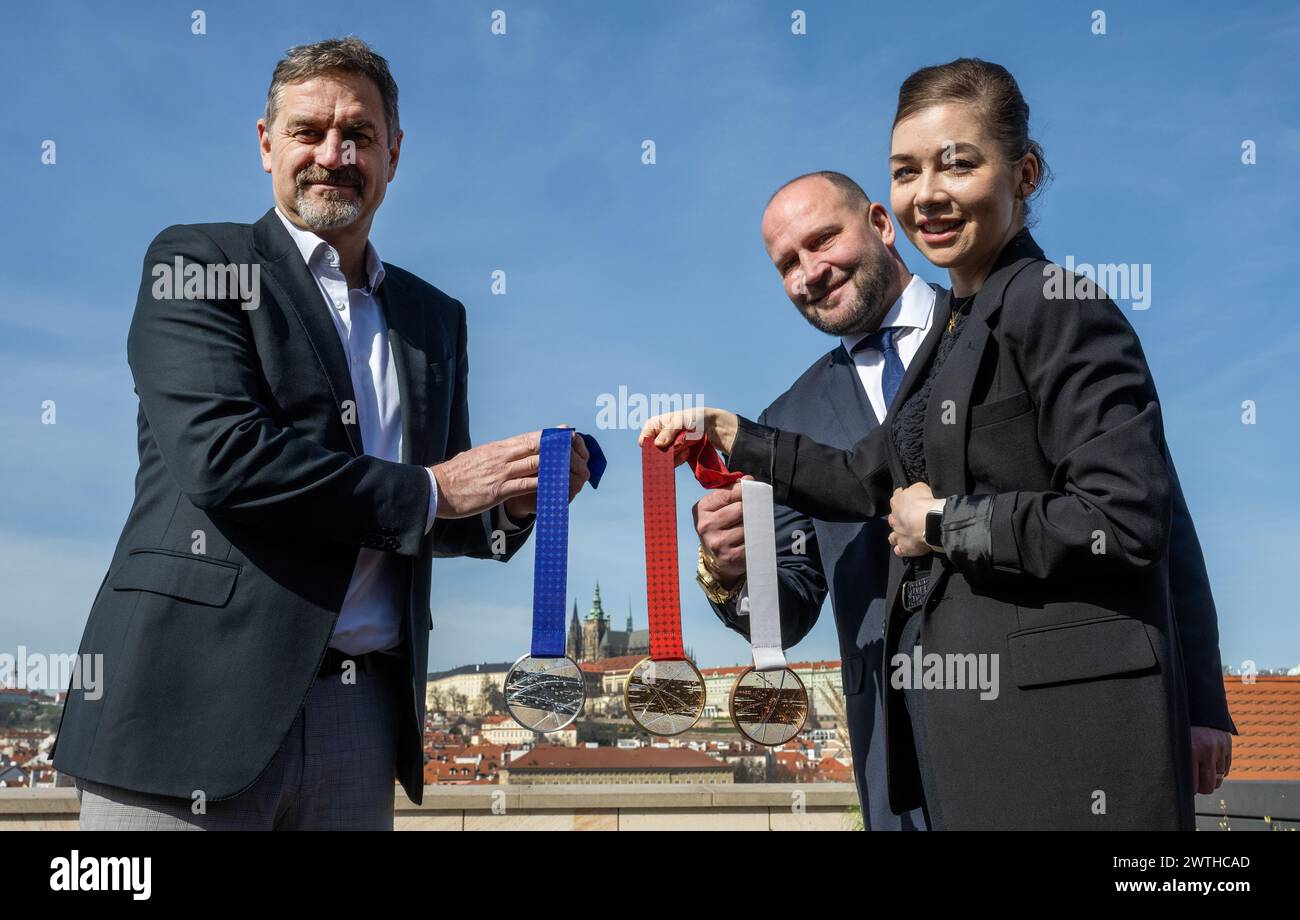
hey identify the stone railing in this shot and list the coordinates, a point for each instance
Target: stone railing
(1240, 805)
(759, 807)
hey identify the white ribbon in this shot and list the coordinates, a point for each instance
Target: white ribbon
(761, 595)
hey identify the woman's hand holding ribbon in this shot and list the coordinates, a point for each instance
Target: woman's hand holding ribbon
(717, 425)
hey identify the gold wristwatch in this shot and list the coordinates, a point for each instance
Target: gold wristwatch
(708, 580)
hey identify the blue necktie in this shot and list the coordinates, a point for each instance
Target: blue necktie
(883, 342)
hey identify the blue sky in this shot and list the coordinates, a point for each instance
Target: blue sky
(523, 153)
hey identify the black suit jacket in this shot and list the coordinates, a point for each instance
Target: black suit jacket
(1055, 438)
(848, 561)
(244, 436)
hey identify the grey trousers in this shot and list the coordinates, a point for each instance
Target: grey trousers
(335, 770)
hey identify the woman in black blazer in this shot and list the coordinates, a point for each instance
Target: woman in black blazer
(1027, 435)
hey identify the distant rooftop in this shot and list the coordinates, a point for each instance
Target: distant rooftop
(499, 668)
(793, 666)
(621, 663)
(1267, 714)
(552, 757)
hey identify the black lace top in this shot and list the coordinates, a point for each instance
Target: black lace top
(908, 429)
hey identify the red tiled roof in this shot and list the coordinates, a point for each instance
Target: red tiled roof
(833, 769)
(621, 663)
(553, 757)
(1267, 715)
(448, 772)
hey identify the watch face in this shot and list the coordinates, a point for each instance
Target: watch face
(934, 528)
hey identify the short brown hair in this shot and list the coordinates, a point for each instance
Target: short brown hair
(349, 55)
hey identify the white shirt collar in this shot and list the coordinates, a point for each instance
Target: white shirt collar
(912, 309)
(318, 251)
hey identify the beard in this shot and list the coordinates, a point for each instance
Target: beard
(333, 209)
(868, 309)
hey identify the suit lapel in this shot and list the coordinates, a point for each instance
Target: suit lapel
(406, 338)
(847, 397)
(945, 444)
(857, 418)
(284, 269)
(949, 408)
(915, 375)
(920, 363)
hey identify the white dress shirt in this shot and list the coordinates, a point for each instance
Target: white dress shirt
(913, 312)
(371, 616)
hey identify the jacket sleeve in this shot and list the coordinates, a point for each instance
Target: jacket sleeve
(819, 481)
(1099, 426)
(1197, 619)
(801, 582)
(201, 391)
(475, 536)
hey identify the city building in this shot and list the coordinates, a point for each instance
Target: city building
(605, 680)
(822, 680)
(504, 730)
(464, 689)
(548, 764)
(592, 639)
(467, 765)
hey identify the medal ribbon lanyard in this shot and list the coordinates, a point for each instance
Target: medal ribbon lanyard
(760, 596)
(761, 593)
(551, 560)
(659, 505)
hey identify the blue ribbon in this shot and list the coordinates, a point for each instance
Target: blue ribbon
(551, 563)
(596, 462)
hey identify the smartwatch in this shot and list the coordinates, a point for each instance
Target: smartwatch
(934, 529)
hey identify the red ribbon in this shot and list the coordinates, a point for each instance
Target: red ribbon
(659, 505)
(659, 502)
(707, 466)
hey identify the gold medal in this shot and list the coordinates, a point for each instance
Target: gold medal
(664, 697)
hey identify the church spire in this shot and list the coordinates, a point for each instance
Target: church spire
(573, 645)
(629, 613)
(597, 612)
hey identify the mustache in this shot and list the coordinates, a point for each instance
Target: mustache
(345, 175)
(813, 294)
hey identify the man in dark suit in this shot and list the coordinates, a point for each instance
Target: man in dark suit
(304, 452)
(846, 277)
